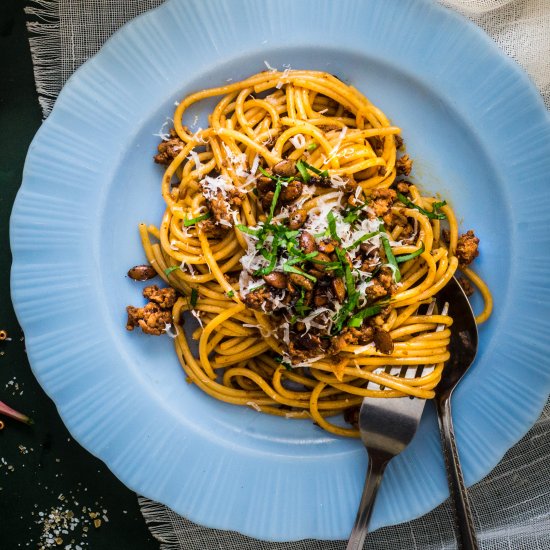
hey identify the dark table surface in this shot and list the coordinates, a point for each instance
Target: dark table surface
(46, 478)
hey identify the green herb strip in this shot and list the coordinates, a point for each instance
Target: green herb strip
(278, 187)
(289, 268)
(328, 265)
(352, 293)
(194, 297)
(281, 361)
(411, 256)
(362, 239)
(300, 165)
(332, 227)
(352, 215)
(170, 269)
(344, 312)
(391, 258)
(348, 277)
(248, 230)
(322, 173)
(357, 320)
(272, 259)
(434, 215)
(312, 146)
(299, 306)
(193, 221)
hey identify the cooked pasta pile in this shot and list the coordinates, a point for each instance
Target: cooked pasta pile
(292, 234)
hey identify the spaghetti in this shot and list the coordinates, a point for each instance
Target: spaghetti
(293, 236)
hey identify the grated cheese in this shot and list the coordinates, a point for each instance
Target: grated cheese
(334, 151)
(194, 157)
(339, 181)
(298, 141)
(211, 186)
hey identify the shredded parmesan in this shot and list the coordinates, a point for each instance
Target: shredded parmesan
(211, 186)
(171, 331)
(161, 133)
(335, 149)
(197, 316)
(254, 405)
(298, 141)
(194, 156)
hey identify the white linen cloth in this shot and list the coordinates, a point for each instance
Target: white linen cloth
(512, 505)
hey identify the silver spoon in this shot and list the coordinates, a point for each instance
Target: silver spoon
(463, 348)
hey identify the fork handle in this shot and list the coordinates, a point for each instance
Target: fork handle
(461, 506)
(375, 471)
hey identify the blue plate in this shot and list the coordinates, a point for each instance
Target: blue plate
(480, 137)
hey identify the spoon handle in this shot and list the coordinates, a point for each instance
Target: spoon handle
(463, 514)
(372, 483)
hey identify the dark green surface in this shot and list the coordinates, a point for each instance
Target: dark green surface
(54, 464)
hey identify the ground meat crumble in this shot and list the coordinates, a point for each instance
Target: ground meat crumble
(467, 248)
(222, 205)
(403, 165)
(156, 314)
(169, 149)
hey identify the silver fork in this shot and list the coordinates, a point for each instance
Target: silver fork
(386, 426)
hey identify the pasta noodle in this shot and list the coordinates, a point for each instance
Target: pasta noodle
(293, 236)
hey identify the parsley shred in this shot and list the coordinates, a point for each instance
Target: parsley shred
(193, 221)
(434, 215)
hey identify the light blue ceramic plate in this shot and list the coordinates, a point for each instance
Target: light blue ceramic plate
(480, 137)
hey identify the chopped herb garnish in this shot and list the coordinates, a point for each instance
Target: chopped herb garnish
(248, 230)
(357, 320)
(194, 297)
(348, 277)
(274, 201)
(231, 293)
(200, 218)
(274, 177)
(322, 173)
(170, 269)
(282, 362)
(289, 268)
(267, 174)
(312, 146)
(332, 227)
(352, 214)
(299, 306)
(301, 166)
(406, 257)
(362, 239)
(272, 259)
(328, 265)
(436, 210)
(391, 258)
(434, 215)
(300, 256)
(344, 312)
